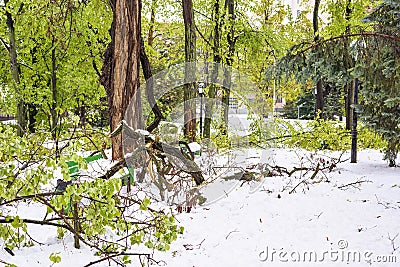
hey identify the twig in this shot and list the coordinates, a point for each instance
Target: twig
(294, 188)
(37, 222)
(6, 263)
(392, 241)
(354, 184)
(202, 36)
(108, 257)
(49, 194)
(190, 246)
(234, 231)
(384, 203)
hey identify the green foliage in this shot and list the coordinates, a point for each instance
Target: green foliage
(169, 132)
(27, 170)
(316, 135)
(221, 140)
(325, 135)
(62, 39)
(380, 102)
(339, 21)
(339, 58)
(302, 108)
(55, 257)
(260, 130)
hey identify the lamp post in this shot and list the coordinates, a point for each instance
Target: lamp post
(354, 133)
(354, 128)
(201, 94)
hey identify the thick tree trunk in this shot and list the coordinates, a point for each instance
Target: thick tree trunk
(319, 103)
(190, 87)
(120, 72)
(15, 71)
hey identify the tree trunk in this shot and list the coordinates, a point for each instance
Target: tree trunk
(190, 88)
(15, 71)
(319, 103)
(53, 110)
(229, 60)
(209, 105)
(32, 112)
(82, 115)
(144, 60)
(150, 37)
(120, 72)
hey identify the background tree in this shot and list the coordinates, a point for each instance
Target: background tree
(15, 70)
(378, 70)
(319, 100)
(190, 88)
(54, 78)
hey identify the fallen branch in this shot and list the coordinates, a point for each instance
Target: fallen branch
(392, 241)
(355, 184)
(294, 188)
(191, 247)
(386, 204)
(49, 194)
(114, 169)
(6, 263)
(161, 150)
(37, 222)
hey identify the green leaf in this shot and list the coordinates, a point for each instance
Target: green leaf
(55, 257)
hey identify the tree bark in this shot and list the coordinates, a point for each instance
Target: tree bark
(53, 110)
(120, 72)
(209, 105)
(150, 37)
(32, 112)
(319, 103)
(15, 71)
(229, 59)
(190, 88)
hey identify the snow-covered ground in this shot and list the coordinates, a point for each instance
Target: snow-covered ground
(260, 224)
(271, 227)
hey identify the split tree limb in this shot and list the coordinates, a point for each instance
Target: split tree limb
(144, 60)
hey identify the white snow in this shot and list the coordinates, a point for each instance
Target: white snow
(143, 132)
(238, 230)
(14, 122)
(194, 146)
(260, 219)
